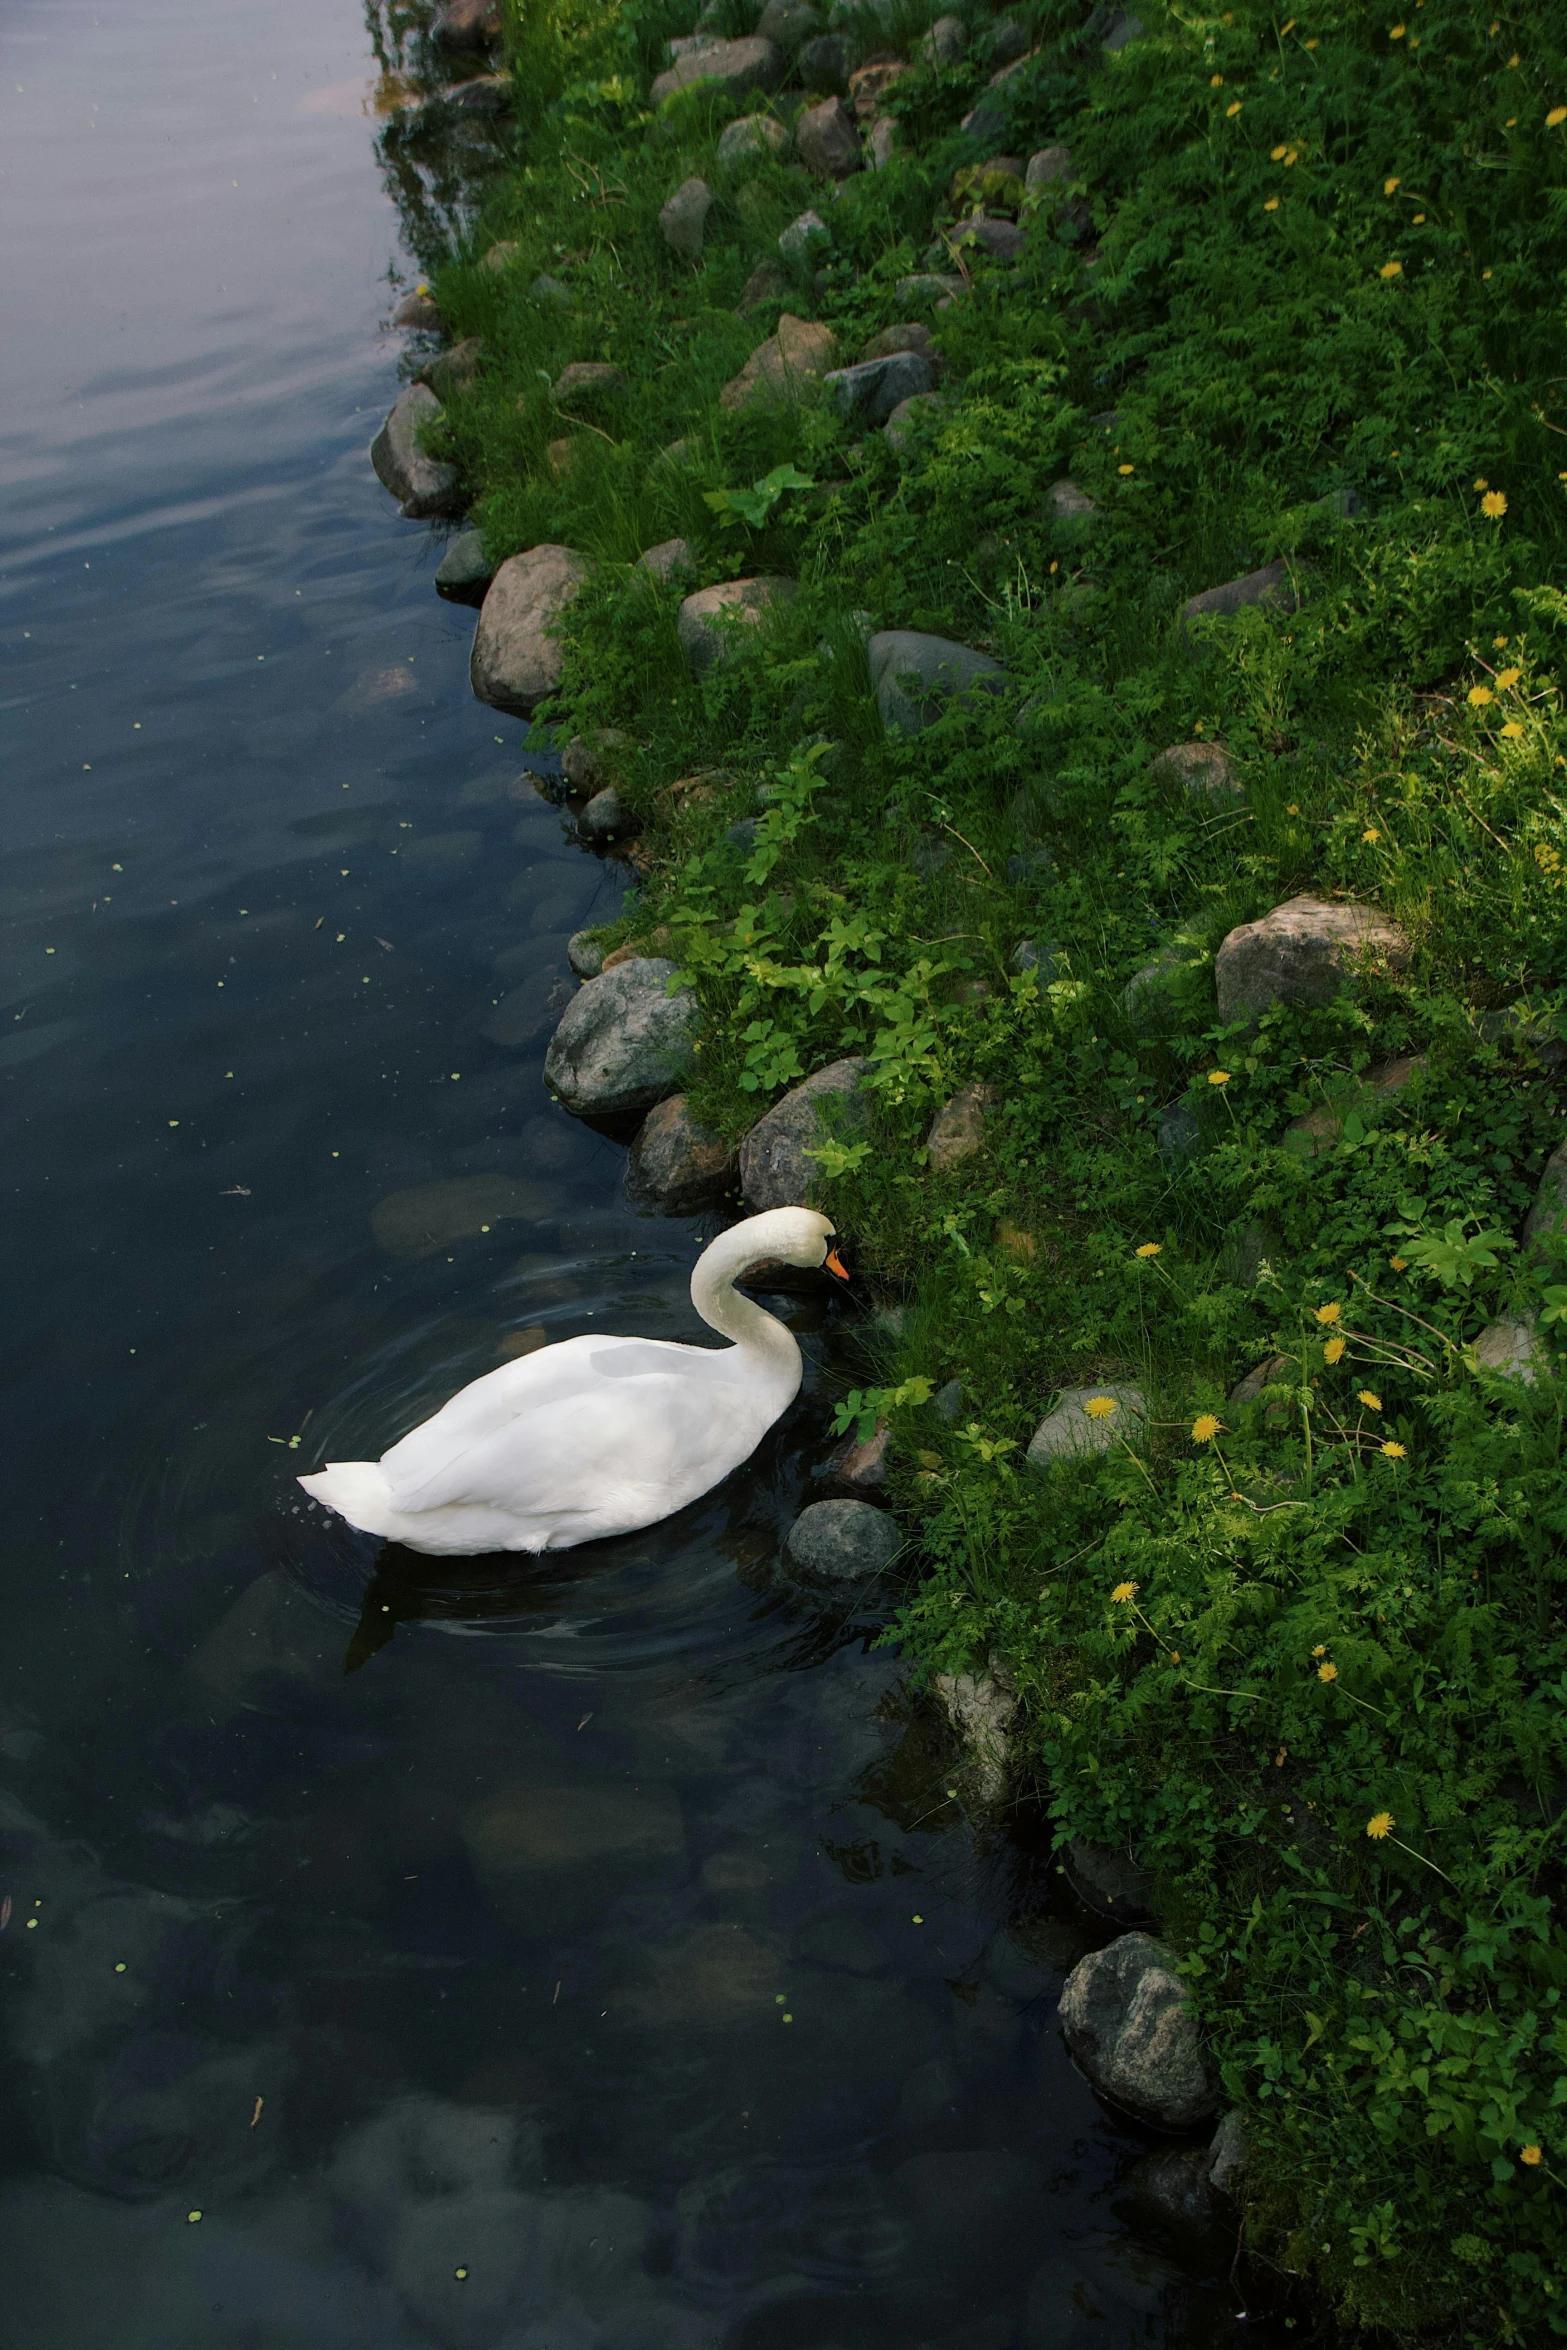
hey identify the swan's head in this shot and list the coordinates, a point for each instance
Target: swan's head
(797, 1236)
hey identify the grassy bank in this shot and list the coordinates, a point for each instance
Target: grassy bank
(1304, 1653)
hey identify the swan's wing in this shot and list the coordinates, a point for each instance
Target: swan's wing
(590, 1408)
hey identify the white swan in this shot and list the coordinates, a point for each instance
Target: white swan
(597, 1435)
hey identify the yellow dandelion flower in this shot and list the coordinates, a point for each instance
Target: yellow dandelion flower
(1328, 1671)
(1494, 504)
(1480, 482)
(1480, 697)
(1531, 2155)
(1125, 1593)
(1279, 154)
(1151, 1248)
(1293, 809)
(1396, 32)
(1175, 1656)
(1419, 220)
(1514, 60)
(1512, 732)
(1399, 1264)
(1292, 157)
(1388, 185)
(1508, 678)
(1379, 1824)
(1233, 107)
(1099, 1407)
(1271, 205)
(1311, 44)
(1329, 1313)
(1205, 1428)
(1498, 642)
(1216, 82)
(1334, 1349)
(1391, 269)
(1218, 1077)
(1558, 114)
(1392, 1452)
(1373, 1403)
(1320, 1649)
(1371, 836)
(1126, 469)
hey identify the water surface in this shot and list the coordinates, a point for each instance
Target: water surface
(400, 1952)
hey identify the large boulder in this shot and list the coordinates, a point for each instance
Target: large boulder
(587, 380)
(735, 66)
(516, 660)
(1003, 240)
(869, 392)
(781, 369)
(1303, 952)
(1087, 1421)
(667, 560)
(684, 218)
(896, 429)
(1128, 2021)
(826, 140)
(981, 1708)
(454, 370)
(802, 235)
(1270, 587)
(823, 64)
(1049, 163)
(774, 1169)
(624, 1043)
(677, 1165)
(707, 619)
(464, 573)
(787, 23)
(913, 674)
(957, 1131)
(841, 1542)
(422, 484)
(1203, 770)
(946, 41)
(870, 84)
(468, 24)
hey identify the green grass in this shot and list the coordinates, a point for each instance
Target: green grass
(1386, 2007)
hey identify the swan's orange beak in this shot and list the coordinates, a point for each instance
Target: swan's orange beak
(835, 1264)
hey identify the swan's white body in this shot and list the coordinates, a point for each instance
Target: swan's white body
(595, 1436)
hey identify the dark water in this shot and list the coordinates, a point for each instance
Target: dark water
(607, 1933)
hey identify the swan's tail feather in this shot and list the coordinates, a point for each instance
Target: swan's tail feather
(359, 1492)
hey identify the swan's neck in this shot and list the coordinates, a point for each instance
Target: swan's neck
(757, 1334)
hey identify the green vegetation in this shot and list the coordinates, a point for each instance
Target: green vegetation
(1307, 1653)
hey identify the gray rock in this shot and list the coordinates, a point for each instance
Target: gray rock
(946, 41)
(468, 24)
(667, 560)
(1227, 2154)
(868, 393)
(753, 139)
(947, 1402)
(787, 23)
(1303, 952)
(985, 124)
(841, 1542)
(592, 760)
(548, 291)
(1068, 502)
(896, 428)
(910, 334)
(1265, 1374)
(516, 659)
(1112, 1884)
(418, 312)
(862, 1467)
(1026, 956)
(981, 1708)
(826, 141)
(606, 817)
(709, 619)
(1180, 1132)
(486, 94)
(1548, 1215)
(742, 833)
(1127, 2020)
(1072, 1431)
(774, 1169)
(1512, 1348)
(823, 64)
(1269, 587)
(1047, 164)
(624, 1043)
(927, 288)
(958, 1129)
(684, 218)
(676, 1164)
(423, 485)
(1003, 240)
(584, 954)
(1009, 41)
(1146, 996)
(464, 573)
(765, 284)
(587, 380)
(453, 370)
(934, 669)
(1121, 29)
(1172, 2187)
(1202, 770)
(1030, 867)
(802, 235)
(882, 143)
(498, 258)
(736, 66)
(782, 370)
